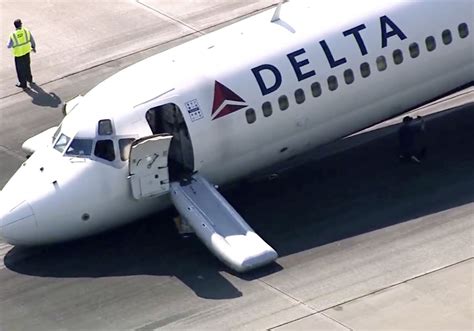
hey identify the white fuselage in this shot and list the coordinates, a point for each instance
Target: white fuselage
(250, 96)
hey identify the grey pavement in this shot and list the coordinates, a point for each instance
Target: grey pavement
(74, 35)
(365, 242)
(431, 302)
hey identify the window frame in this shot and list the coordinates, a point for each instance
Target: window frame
(56, 134)
(463, 27)
(316, 86)
(113, 149)
(280, 102)
(300, 96)
(397, 56)
(367, 72)
(333, 83)
(430, 43)
(122, 149)
(254, 114)
(99, 126)
(91, 141)
(414, 50)
(349, 72)
(381, 60)
(447, 37)
(65, 145)
(267, 109)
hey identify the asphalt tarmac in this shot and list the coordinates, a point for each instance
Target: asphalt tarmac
(365, 242)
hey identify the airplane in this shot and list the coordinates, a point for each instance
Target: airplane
(167, 131)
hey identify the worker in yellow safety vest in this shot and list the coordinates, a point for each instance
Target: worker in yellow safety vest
(22, 43)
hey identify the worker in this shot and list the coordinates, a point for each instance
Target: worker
(406, 138)
(22, 43)
(420, 136)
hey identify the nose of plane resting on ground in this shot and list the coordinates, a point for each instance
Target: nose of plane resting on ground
(17, 220)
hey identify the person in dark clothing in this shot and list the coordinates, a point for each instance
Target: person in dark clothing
(22, 43)
(406, 138)
(419, 127)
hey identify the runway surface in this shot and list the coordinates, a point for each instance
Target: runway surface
(365, 242)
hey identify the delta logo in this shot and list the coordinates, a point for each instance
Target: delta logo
(225, 102)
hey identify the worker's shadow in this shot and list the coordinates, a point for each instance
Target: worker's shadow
(42, 98)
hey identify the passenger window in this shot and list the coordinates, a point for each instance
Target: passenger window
(414, 50)
(80, 147)
(299, 96)
(104, 149)
(105, 128)
(250, 115)
(267, 109)
(124, 147)
(430, 43)
(332, 83)
(316, 89)
(365, 70)
(447, 37)
(381, 63)
(349, 76)
(397, 56)
(283, 102)
(463, 30)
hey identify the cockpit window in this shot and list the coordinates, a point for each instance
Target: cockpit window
(62, 143)
(105, 150)
(80, 147)
(56, 133)
(105, 128)
(124, 146)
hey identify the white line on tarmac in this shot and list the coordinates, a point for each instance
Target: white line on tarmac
(384, 288)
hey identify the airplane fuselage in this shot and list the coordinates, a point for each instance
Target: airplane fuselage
(237, 101)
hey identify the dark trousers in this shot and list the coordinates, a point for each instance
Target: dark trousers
(23, 70)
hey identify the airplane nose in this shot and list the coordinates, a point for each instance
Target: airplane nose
(17, 221)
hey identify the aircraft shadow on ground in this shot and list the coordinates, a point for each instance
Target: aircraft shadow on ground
(345, 195)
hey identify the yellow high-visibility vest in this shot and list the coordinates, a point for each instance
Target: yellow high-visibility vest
(21, 42)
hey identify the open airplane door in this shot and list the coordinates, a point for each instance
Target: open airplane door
(148, 166)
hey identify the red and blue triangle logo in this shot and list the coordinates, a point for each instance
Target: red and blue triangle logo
(226, 101)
